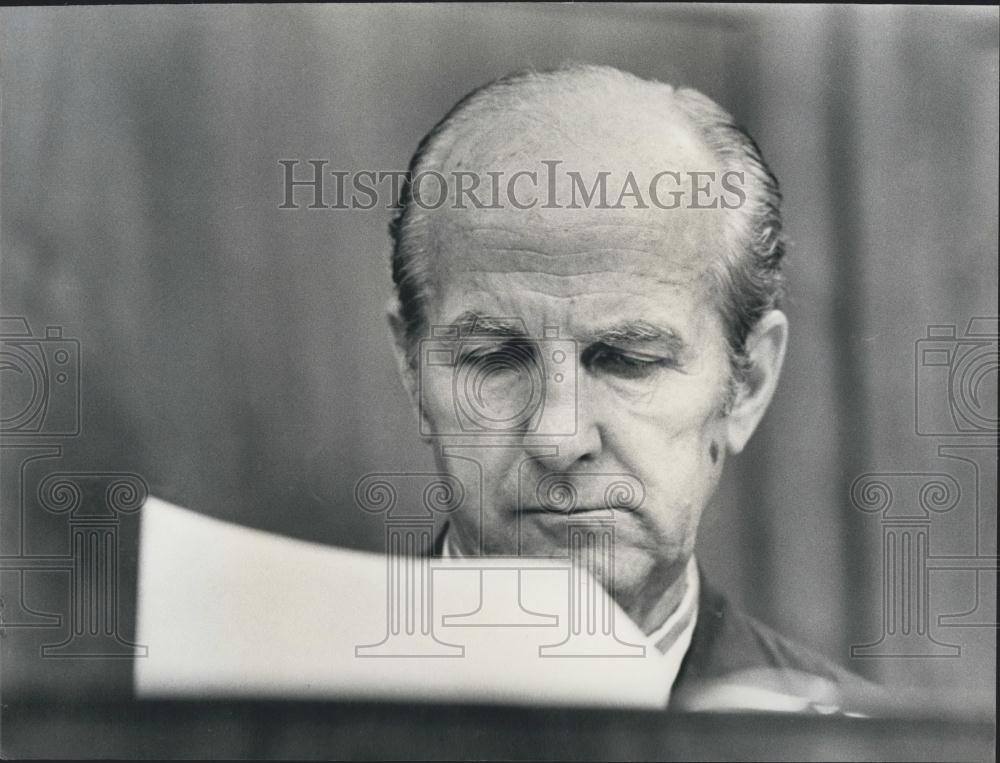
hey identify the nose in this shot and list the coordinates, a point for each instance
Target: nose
(571, 424)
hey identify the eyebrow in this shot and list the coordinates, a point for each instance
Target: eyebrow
(471, 322)
(628, 332)
(638, 332)
(633, 331)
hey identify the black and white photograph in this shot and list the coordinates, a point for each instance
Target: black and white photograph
(514, 381)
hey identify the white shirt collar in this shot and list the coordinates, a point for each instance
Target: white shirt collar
(673, 638)
(683, 617)
(447, 550)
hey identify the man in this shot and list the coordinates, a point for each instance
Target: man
(640, 226)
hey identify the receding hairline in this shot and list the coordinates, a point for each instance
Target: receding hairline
(659, 135)
(753, 234)
(582, 107)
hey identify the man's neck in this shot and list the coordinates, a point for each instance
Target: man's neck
(649, 610)
(652, 606)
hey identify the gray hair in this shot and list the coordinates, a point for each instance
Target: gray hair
(748, 272)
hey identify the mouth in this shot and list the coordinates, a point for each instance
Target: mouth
(576, 510)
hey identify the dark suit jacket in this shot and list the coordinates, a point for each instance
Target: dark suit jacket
(729, 644)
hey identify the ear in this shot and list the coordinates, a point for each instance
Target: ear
(765, 350)
(400, 345)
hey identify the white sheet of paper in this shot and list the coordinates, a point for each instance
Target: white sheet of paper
(227, 610)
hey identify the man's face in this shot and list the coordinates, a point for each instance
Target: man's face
(652, 373)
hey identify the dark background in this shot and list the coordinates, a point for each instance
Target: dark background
(235, 354)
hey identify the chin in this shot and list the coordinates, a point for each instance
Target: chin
(632, 569)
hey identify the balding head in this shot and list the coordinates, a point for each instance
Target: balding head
(583, 339)
(593, 120)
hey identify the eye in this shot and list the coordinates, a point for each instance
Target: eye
(511, 356)
(622, 363)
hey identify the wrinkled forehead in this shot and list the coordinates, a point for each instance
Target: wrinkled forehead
(580, 270)
(611, 194)
(661, 246)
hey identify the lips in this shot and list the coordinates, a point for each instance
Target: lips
(575, 494)
(555, 511)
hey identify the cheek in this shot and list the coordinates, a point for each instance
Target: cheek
(675, 447)
(436, 398)
(488, 474)
(680, 411)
